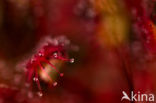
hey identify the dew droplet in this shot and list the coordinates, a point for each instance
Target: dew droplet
(72, 60)
(40, 94)
(61, 74)
(55, 55)
(40, 54)
(55, 84)
(35, 79)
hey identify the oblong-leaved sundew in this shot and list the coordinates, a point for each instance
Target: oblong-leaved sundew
(49, 50)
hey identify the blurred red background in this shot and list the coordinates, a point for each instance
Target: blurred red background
(113, 46)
